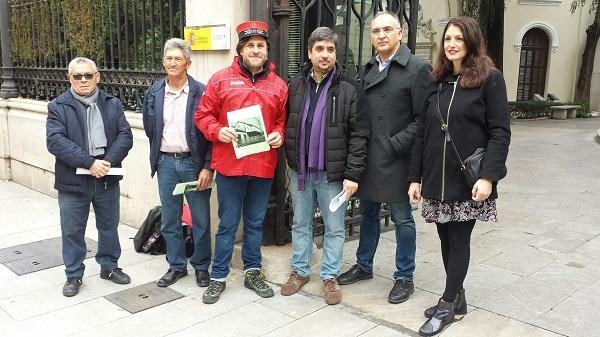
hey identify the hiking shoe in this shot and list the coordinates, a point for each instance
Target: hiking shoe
(293, 284)
(255, 280)
(332, 290)
(71, 287)
(213, 292)
(116, 275)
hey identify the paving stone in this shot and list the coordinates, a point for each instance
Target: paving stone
(577, 316)
(522, 260)
(484, 323)
(252, 319)
(329, 321)
(383, 331)
(572, 274)
(561, 240)
(157, 321)
(296, 306)
(525, 299)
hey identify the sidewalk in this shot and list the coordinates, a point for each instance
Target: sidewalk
(534, 273)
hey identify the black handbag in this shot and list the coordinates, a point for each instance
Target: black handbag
(471, 166)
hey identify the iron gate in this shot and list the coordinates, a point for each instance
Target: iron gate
(292, 21)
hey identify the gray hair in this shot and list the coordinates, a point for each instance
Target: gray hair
(392, 14)
(322, 34)
(82, 60)
(176, 43)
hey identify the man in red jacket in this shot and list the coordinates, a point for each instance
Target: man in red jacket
(243, 108)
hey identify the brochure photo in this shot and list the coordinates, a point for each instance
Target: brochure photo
(249, 125)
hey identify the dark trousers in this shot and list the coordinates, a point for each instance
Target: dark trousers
(455, 239)
(74, 212)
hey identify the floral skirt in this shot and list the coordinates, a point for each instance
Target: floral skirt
(459, 210)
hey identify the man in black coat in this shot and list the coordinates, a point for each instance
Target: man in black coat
(87, 129)
(326, 149)
(395, 83)
(179, 153)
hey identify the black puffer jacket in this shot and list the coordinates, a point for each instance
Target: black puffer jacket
(347, 129)
(479, 117)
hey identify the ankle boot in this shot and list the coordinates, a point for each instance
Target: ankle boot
(443, 316)
(460, 306)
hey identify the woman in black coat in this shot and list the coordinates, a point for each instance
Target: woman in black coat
(470, 95)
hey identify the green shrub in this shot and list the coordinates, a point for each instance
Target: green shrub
(530, 109)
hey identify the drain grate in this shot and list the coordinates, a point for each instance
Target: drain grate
(143, 297)
(39, 255)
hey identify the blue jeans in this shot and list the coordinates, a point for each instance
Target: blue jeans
(74, 212)
(172, 171)
(319, 191)
(238, 194)
(406, 237)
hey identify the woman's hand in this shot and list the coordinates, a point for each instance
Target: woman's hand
(414, 192)
(482, 189)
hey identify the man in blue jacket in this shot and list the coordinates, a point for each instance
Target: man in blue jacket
(179, 153)
(86, 128)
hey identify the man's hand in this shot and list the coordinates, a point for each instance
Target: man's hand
(99, 168)
(350, 188)
(482, 189)
(414, 192)
(205, 178)
(274, 139)
(227, 135)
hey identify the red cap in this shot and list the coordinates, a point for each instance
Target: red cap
(252, 28)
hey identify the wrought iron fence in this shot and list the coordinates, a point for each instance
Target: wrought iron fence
(124, 37)
(351, 20)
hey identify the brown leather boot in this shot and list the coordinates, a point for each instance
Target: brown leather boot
(333, 293)
(293, 284)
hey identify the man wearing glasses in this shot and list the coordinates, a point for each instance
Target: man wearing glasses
(395, 83)
(86, 128)
(179, 153)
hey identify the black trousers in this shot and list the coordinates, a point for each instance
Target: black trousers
(455, 239)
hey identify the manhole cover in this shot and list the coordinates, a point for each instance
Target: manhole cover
(143, 297)
(39, 255)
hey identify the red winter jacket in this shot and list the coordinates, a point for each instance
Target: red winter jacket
(234, 88)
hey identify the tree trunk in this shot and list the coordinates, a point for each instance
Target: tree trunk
(584, 82)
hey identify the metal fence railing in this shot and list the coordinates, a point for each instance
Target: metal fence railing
(124, 37)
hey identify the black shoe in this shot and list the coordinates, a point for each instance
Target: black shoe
(116, 275)
(71, 287)
(460, 306)
(202, 278)
(353, 275)
(213, 292)
(442, 317)
(171, 277)
(401, 291)
(255, 280)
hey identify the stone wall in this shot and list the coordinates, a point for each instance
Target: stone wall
(25, 159)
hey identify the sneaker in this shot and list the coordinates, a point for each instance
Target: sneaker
(213, 292)
(293, 284)
(116, 275)
(255, 280)
(71, 287)
(401, 291)
(332, 290)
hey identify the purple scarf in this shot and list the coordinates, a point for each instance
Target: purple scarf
(316, 144)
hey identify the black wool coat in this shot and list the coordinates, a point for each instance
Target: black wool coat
(395, 97)
(479, 117)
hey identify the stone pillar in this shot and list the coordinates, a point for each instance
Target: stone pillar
(8, 88)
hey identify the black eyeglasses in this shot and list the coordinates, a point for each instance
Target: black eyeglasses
(79, 77)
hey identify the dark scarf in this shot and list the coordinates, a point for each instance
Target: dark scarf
(316, 144)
